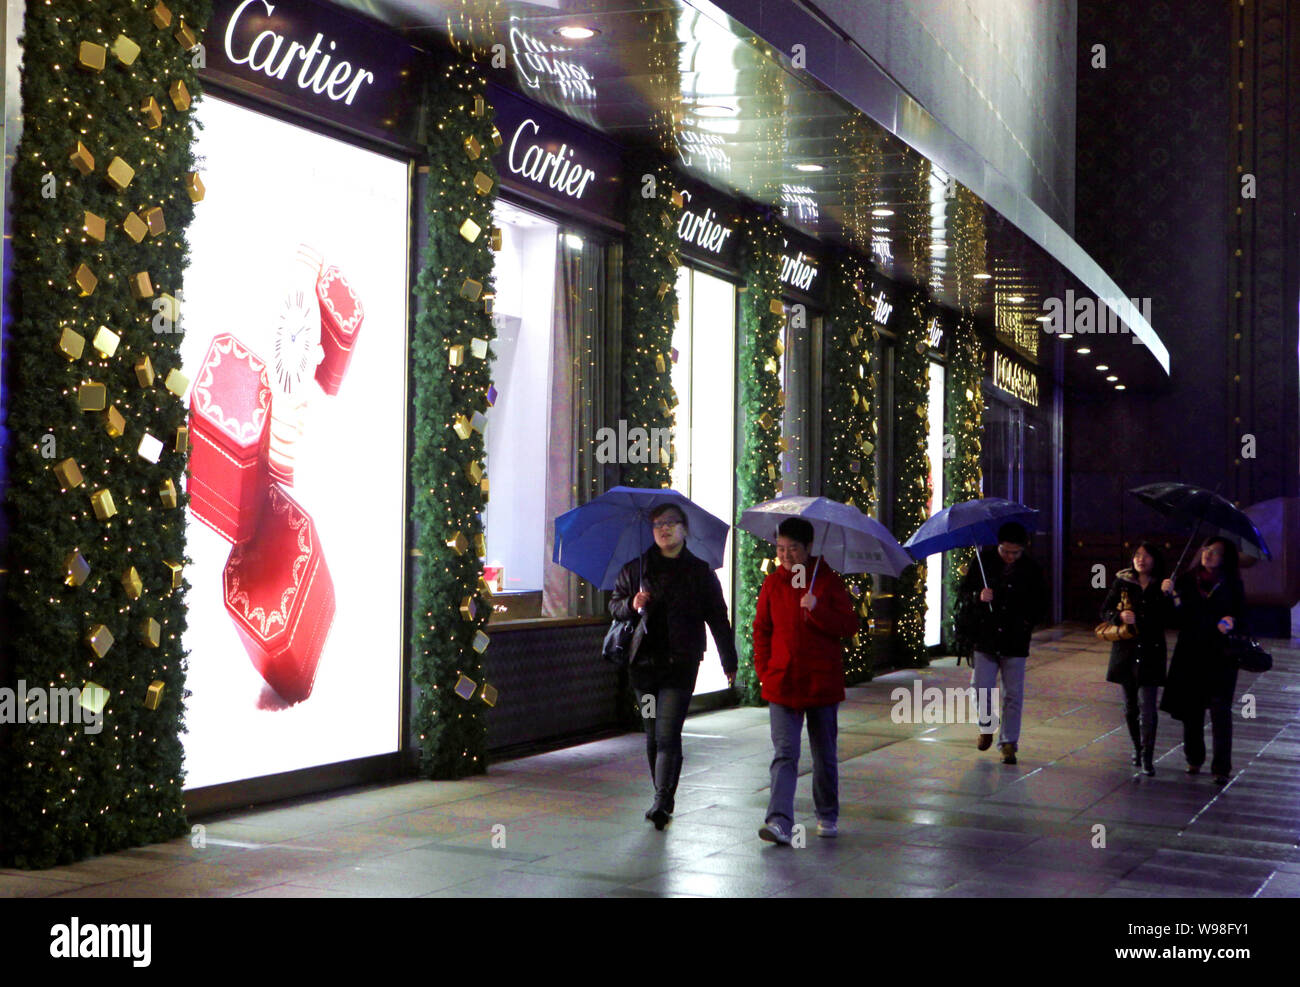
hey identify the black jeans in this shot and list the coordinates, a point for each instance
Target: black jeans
(663, 711)
(1140, 714)
(1221, 730)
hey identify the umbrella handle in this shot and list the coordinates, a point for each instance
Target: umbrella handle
(982, 573)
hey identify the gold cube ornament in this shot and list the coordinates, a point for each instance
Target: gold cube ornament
(468, 608)
(180, 95)
(497, 141)
(120, 174)
(144, 371)
(153, 218)
(480, 546)
(94, 697)
(91, 57)
(105, 342)
(471, 289)
(152, 113)
(482, 184)
(177, 383)
(660, 366)
(480, 107)
(489, 302)
(141, 286)
(82, 159)
(496, 238)
(84, 278)
(167, 493)
(470, 230)
(460, 425)
(178, 573)
(458, 543)
(125, 50)
(114, 423)
(182, 444)
(456, 355)
(775, 307)
(68, 474)
(474, 471)
(184, 36)
(478, 422)
(489, 694)
(161, 16)
(135, 227)
(71, 344)
(677, 199)
(94, 226)
(481, 641)
(151, 632)
(465, 687)
(75, 569)
(765, 420)
(102, 502)
(483, 488)
(132, 583)
(194, 187)
(478, 348)
(99, 639)
(153, 695)
(472, 147)
(92, 396)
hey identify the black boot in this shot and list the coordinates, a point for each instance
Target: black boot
(1135, 732)
(1148, 763)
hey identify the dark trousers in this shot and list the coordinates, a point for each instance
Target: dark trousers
(1140, 715)
(663, 711)
(1220, 728)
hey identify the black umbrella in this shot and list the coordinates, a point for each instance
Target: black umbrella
(1204, 509)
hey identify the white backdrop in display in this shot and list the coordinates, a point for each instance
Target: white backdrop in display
(272, 187)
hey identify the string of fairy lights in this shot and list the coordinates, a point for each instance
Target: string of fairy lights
(105, 185)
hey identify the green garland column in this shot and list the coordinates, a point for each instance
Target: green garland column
(649, 313)
(453, 294)
(96, 589)
(762, 325)
(849, 425)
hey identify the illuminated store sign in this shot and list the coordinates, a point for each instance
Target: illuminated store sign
(557, 169)
(1015, 379)
(881, 308)
(700, 227)
(536, 62)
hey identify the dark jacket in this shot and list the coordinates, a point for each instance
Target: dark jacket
(1019, 602)
(1141, 659)
(1200, 670)
(684, 596)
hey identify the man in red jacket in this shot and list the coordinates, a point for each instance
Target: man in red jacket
(803, 612)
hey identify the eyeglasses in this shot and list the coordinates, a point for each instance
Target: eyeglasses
(665, 525)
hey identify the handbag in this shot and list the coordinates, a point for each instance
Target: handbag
(618, 642)
(1247, 654)
(1106, 631)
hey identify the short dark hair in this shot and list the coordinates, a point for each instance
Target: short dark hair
(798, 529)
(1013, 532)
(664, 508)
(1157, 556)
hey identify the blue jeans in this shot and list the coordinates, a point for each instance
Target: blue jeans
(987, 667)
(664, 713)
(823, 731)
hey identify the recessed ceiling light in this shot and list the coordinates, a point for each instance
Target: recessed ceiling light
(1112, 378)
(1120, 387)
(1067, 335)
(983, 277)
(882, 212)
(1016, 299)
(808, 166)
(1084, 350)
(1102, 367)
(575, 32)
(713, 110)
(1046, 318)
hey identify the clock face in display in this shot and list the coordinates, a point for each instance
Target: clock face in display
(297, 340)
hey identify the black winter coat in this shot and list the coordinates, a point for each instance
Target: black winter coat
(1019, 602)
(680, 605)
(1141, 659)
(1200, 670)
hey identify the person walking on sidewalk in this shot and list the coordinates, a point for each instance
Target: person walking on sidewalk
(678, 594)
(803, 612)
(1003, 615)
(1209, 602)
(1138, 664)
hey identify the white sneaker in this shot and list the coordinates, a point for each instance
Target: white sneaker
(774, 832)
(827, 829)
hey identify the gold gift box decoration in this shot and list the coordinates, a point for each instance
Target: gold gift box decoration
(182, 444)
(126, 50)
(179, 94)
(771, 472)
(461, 426)
(474, 471)
(178, 573)
(472, 147)
(468, 608)
(770, 365)
(478, 348)
(84, 278)
(94, 226)
(471, 289)
(161, 16)
(92, 396)
(102, 502)
(91, 57)
(778, 346)
(458, 543)
(660, 366)
(120, 174)
(775, 307)
(470, 230)
(480, 107)
(456, 355)
(141, 286)
(114, 423)
(783, 444)
(152, 113)
(99, 639)
(144, 371)
(664, 288)
(677, 199)
(480, 546)
(150, 632)
(94, 697)
(496, 238)
(82, 159)
(167, 493)
(68, 474)
(153, 695)
(75, 569)
(71, 344)
(482, 184)
(481, 641)
(177, 383)
(134, 227)
(483, 488)
(489, 694)
(478, 422)
(497, 141)
(106, 342)
(765, 420)
(465, 687)
(185, 36)
(132, 584)
(154, 220)
(194, 187)
(489, 302)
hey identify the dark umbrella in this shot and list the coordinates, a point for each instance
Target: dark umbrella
(1204, 509)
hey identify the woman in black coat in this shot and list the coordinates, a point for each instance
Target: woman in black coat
(677, 593)
(1138, 664)
(1209, 602)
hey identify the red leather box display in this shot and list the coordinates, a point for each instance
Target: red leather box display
(279, 592)
(341, 315)
(230, 422)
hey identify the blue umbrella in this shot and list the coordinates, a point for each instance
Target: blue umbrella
(597, 539)
(1184, 502)
(847, 539)
(969, 524)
